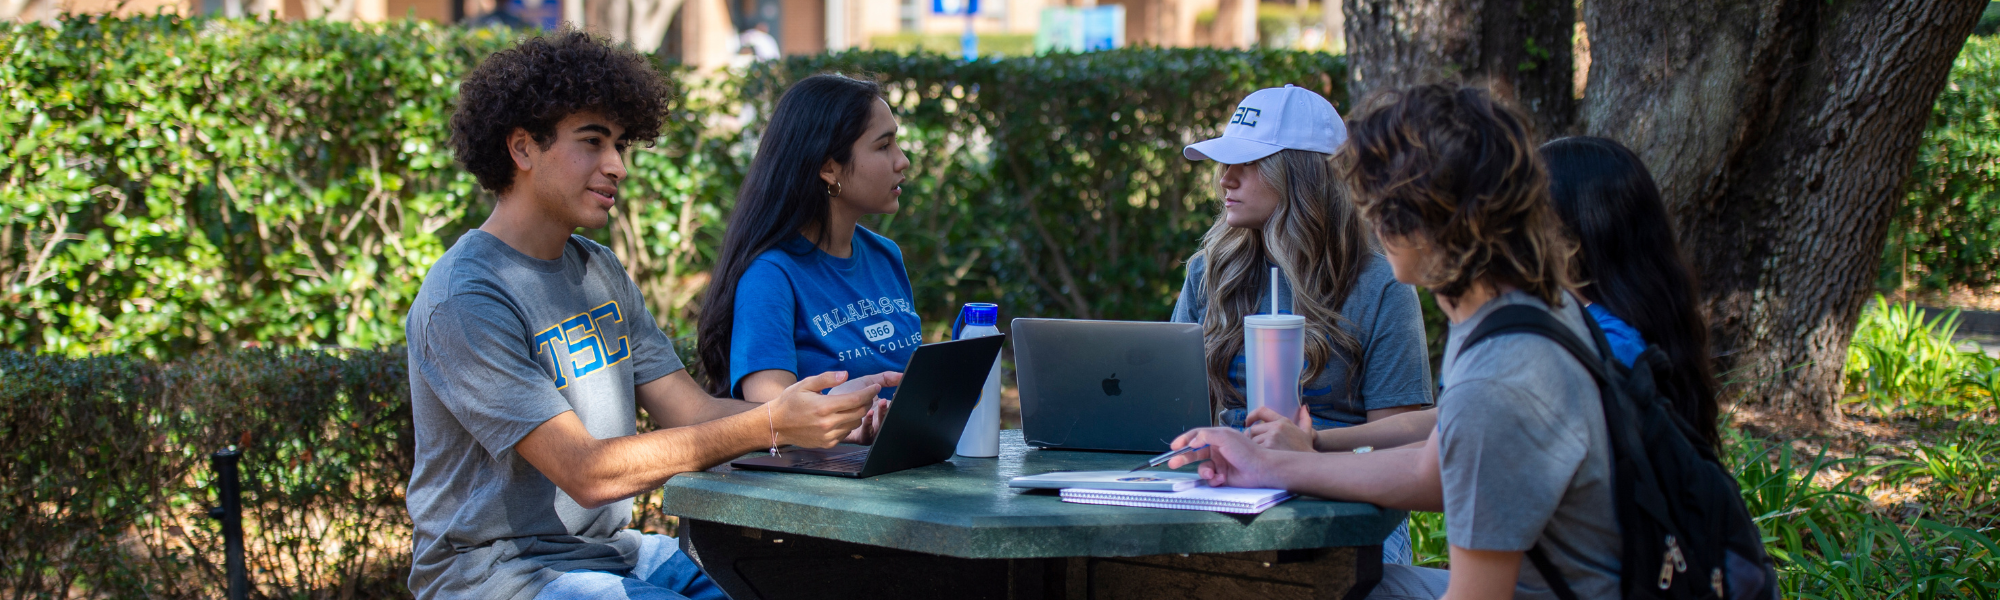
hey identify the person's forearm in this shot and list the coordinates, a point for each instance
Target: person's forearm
(1396, 478)
(677, 401)
(623, 467)
(699, 410)
(1394, 431)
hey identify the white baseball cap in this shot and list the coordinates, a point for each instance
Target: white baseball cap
(1273, 119)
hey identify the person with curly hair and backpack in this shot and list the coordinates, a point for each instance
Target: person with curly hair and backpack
(1450, 180)
(1520, 455)
(530, 351)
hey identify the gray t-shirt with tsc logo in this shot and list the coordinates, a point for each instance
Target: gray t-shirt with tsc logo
(500, 342)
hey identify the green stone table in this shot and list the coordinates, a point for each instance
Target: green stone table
(956, 530)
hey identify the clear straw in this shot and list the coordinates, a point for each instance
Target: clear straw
(1274, 290)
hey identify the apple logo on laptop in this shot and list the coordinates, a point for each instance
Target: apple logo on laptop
(1111, 385)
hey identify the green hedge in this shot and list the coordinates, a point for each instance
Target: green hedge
(178, 184)
(174, 184)
(104, 477)
(1947, 232)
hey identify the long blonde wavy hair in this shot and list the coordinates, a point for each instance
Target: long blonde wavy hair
(1316, 238)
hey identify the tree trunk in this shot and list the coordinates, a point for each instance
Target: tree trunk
(1521, 48)
(1780, 133)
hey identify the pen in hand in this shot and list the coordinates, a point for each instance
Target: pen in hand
(1162, 459)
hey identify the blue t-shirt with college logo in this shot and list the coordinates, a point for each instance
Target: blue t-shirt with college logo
(801, 310)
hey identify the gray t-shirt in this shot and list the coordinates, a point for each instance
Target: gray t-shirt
(1524, 455)
(1382, 314)
(500, 342)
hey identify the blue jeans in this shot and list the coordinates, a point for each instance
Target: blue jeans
(1400, 582)
(663, 573)
(1396, 549)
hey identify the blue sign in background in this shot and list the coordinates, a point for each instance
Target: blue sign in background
(1103, 28)
(954, 7)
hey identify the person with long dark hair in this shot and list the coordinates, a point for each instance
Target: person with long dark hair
(1631, 273)
(800, 286)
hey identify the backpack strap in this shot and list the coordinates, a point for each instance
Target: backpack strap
(1520, 318)
(1549, 573)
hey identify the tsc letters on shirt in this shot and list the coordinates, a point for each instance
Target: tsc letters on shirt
(499, 343)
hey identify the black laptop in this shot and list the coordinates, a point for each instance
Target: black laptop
(940, 386)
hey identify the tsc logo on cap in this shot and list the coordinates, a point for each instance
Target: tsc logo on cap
(1300, 120)
(879, 331)
(1246, 116)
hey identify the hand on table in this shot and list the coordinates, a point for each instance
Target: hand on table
(1278, 433)
(803, 417)
(1234, 460)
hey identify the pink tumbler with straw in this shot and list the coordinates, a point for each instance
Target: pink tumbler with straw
(1274, 346)
(1275, 352)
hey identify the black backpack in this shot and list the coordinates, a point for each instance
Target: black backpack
(1686, 532)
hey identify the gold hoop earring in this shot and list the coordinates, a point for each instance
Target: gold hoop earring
(833, 190)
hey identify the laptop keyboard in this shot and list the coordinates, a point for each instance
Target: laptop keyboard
(849, 463)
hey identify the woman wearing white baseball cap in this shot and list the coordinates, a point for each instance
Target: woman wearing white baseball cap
(1285, 206)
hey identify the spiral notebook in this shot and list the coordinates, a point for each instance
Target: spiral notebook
(1242, 501)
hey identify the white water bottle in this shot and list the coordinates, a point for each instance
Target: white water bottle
(982, 430)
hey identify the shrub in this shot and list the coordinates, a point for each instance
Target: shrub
(178, 183)
(1831, 542)
(104, 473)
(1903, 363)
(145, 212)
(1947, 230)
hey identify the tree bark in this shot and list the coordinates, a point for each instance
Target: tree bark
(1781, 133)
(1521, 48)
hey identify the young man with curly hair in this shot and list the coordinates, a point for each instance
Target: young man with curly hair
(530, 351)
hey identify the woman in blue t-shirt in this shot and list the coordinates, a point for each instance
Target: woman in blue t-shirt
(800, 286)
(1636, 284)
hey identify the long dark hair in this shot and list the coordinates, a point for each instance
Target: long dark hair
(818, 119)
(1630, 263)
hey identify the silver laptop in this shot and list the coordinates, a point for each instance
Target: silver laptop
(1109, 385)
